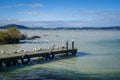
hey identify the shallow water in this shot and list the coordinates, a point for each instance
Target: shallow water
(98, 56)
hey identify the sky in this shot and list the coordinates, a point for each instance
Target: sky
(60, 13)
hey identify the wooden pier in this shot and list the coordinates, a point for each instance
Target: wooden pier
(24, 57)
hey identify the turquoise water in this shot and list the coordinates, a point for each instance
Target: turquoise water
(98, 56)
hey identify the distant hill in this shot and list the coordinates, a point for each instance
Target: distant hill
(79, 28)
(13, 25)
(61, 28)
(84, 28)
(88, 28)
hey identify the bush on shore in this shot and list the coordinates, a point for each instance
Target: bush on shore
(11, 35)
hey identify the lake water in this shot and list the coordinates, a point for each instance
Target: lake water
(98, 56)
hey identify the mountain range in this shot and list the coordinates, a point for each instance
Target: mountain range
(61, 28)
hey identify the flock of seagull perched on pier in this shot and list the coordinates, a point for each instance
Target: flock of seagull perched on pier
(36, 49)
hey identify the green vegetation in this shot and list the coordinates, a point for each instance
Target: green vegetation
(11, 35)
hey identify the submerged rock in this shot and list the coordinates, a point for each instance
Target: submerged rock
(25, 37)
(33, 37)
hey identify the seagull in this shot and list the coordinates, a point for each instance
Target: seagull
(40, 49)
(34, 49)
(3, 52)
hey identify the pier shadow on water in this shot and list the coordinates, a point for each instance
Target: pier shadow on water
(44, 73)
(82, 54)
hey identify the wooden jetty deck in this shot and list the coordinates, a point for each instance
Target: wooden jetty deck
(24, 57)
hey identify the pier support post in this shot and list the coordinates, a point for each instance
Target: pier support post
(72, 44)
(0, 64)
(14, 62)
(67, 47)
(8, 64)
(25, 59)
(74, 50)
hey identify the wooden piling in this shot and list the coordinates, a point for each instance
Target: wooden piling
(72, 44)
(74, 52)
(0, 64)
(67, 48)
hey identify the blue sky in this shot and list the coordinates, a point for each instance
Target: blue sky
(60, 13)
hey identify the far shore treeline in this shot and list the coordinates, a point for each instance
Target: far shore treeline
(60, 28)
(10, 35)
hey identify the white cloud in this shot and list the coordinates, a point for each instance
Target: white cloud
(30, 13)
(100, 18)
(12, 6)
(100, 14)
(34, 5)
